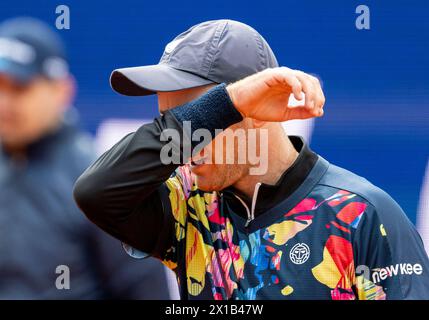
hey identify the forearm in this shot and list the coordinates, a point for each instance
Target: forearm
(112, 189)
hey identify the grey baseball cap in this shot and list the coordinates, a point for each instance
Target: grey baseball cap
(214, 51)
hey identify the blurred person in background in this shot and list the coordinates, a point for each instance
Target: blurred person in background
(42, 153)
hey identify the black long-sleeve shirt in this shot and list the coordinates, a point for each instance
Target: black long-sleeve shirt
(121, 192)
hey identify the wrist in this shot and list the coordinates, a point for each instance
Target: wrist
(232, 91)
(213, 110)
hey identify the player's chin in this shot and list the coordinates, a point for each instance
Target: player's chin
(214, 177)
(207, 186)
(209, 182)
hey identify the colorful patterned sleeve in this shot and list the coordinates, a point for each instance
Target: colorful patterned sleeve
(390, 260)
(174, 193)
(178, 189)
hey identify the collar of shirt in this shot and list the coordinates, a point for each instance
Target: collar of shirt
(271, 195)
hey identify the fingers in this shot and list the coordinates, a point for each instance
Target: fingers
(297, 91)
(266, 95)
(300, 82)
(299, 113)
(290, 80)
(296, 87)
(314, 98)
(308, 88)
(319, 96)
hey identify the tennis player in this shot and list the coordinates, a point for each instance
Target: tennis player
(301, 229)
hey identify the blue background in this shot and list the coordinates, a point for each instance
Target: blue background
(375, 81)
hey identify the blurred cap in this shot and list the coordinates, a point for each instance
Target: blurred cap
(210, 52)
(30, 48)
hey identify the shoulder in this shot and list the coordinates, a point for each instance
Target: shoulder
(383, 205)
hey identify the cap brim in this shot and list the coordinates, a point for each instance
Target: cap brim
(146, 80)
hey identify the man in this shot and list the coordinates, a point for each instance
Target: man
(48, 250)
(302, 229)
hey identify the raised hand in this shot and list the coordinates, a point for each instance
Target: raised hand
(265, 95)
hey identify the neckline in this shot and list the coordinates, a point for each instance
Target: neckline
(269, 216)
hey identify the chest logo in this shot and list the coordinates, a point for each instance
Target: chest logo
(299, 253)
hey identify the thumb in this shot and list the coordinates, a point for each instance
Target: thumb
(301, 113)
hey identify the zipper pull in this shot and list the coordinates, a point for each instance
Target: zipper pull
(248, 222)
(252, 212)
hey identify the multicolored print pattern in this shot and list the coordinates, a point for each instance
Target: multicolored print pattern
(221, 262)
